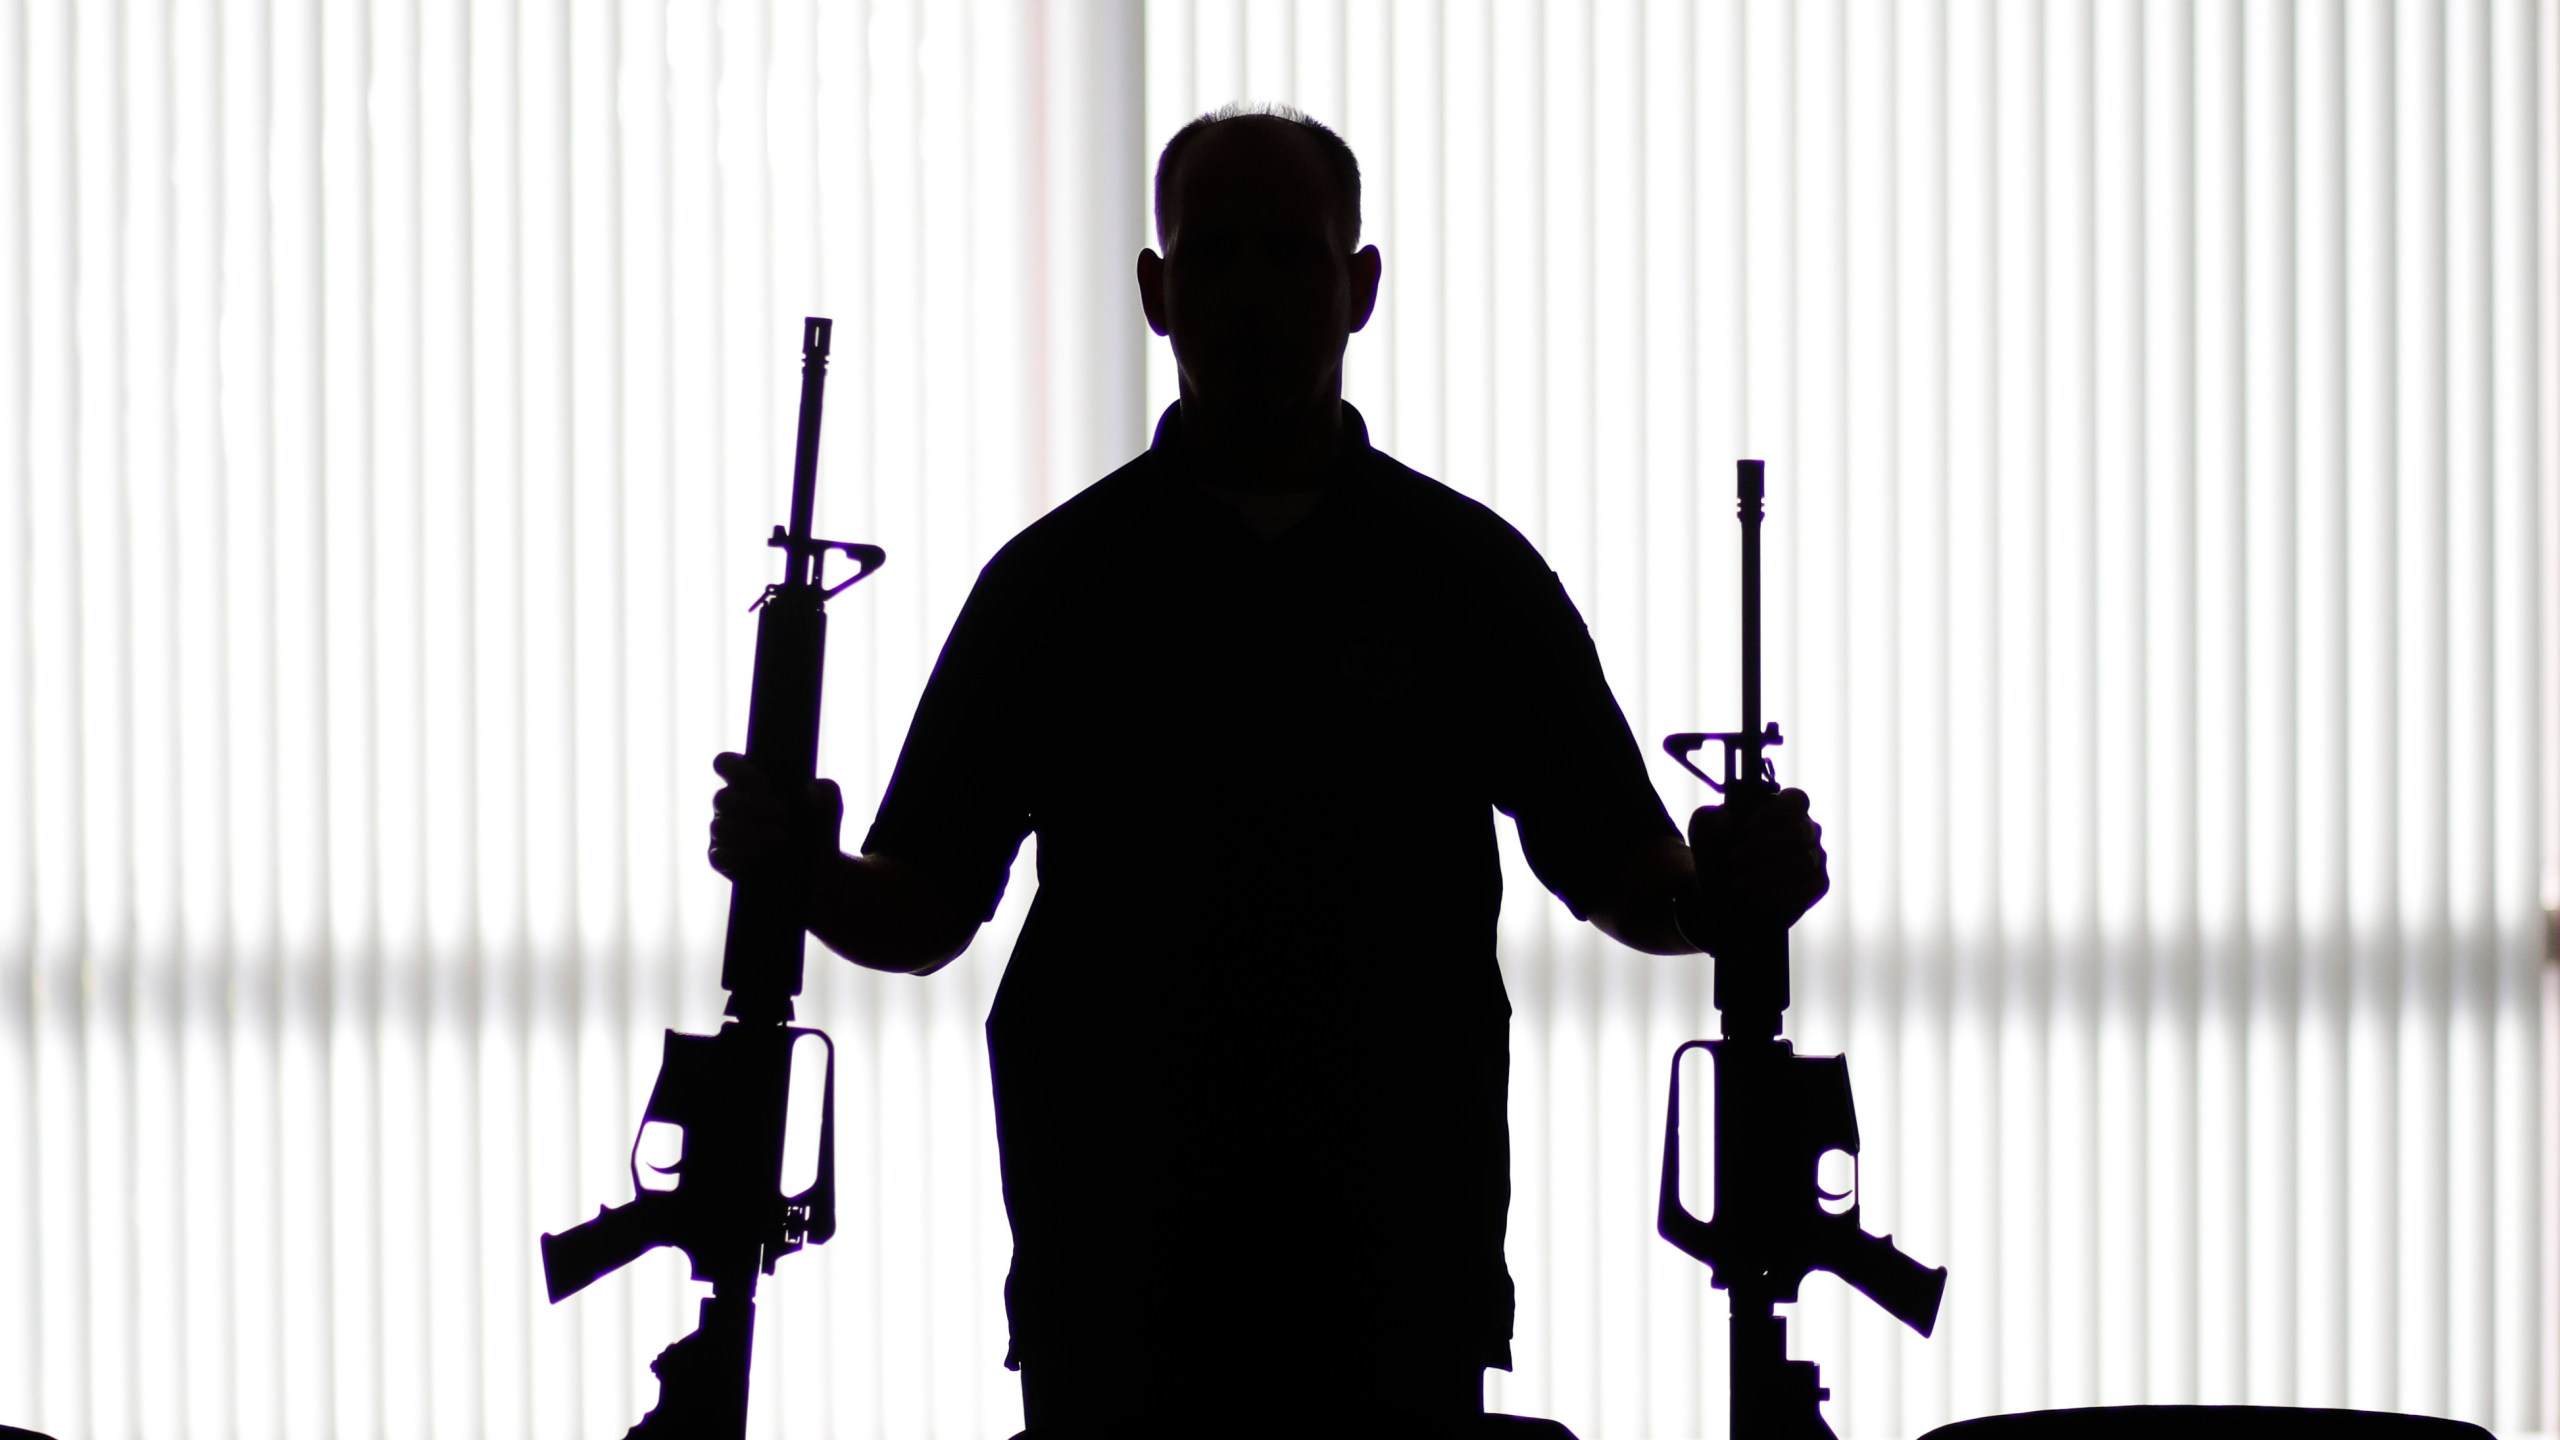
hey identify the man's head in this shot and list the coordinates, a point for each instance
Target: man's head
(1259, 286)
(1341, 167)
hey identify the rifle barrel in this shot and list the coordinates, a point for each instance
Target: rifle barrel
(1749, 490)
(815, 334)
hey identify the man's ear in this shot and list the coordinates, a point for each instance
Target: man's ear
(1366, 267)
(1151, 289)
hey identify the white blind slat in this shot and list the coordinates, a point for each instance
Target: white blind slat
(1971, 805)
(2321, 669)
(20, 1203)
(2521, 408)
(2367, 1294)
(2020, 839)
(2469, 638)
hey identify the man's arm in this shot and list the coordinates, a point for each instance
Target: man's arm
(875, 910)
(1644, 891)
(883, 914)
(1770, 867)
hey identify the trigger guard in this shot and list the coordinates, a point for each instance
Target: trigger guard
(1848, 1195)
(638, 1164)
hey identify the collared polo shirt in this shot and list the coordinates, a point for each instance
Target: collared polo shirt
(1251, 1050)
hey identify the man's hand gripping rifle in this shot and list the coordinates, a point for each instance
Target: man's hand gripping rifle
(1777, 1113)
(729, 1092)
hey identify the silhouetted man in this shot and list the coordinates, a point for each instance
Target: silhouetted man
(1260, 692)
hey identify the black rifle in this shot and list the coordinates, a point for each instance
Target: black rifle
(1777, 1114)
(730, 1092)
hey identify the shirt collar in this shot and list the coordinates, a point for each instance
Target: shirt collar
(1355, 432)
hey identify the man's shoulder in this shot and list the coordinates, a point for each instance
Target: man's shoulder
(1470, 553)
(1463, 531)
(1403, 506)
(1438, 502)
(1073, 527)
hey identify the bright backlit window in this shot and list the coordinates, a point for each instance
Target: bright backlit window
(2158, 402)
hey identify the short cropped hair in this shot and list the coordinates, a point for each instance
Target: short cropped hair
(1339, 162)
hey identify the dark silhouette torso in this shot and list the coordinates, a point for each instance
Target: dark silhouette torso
(1250, 1053)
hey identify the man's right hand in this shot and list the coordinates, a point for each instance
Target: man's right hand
(873, 910)
(755, 833)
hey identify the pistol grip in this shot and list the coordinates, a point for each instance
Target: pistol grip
(619, 1234)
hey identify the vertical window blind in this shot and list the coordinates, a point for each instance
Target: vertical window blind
(2162, 406)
